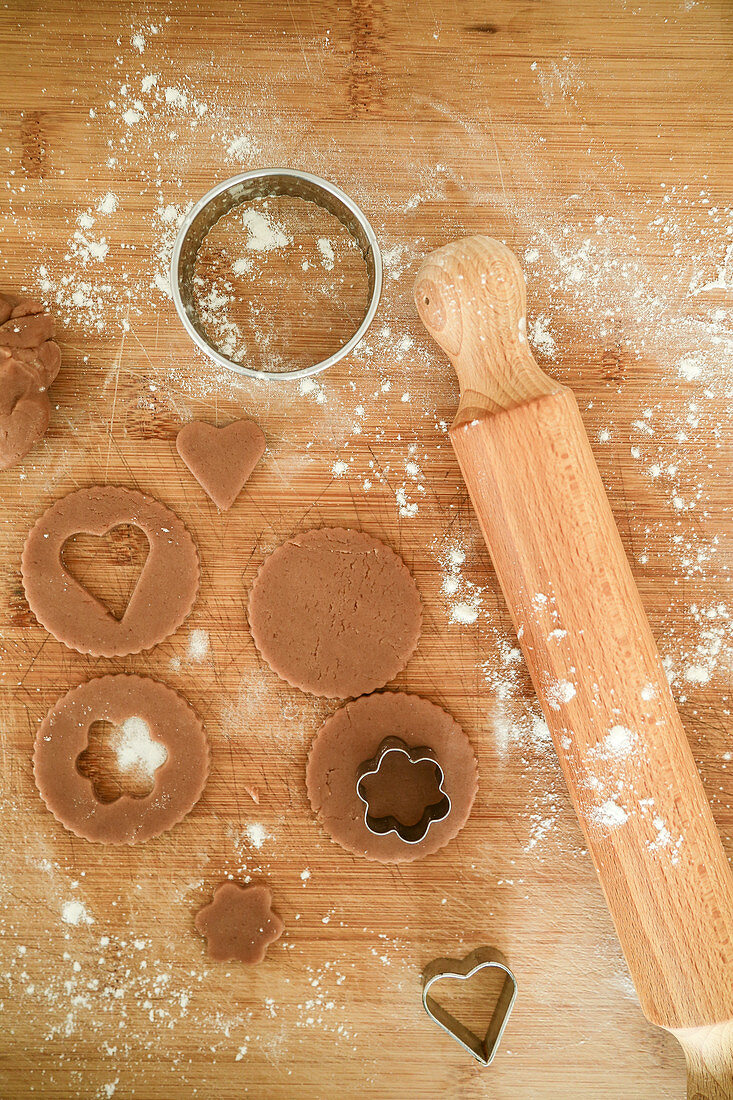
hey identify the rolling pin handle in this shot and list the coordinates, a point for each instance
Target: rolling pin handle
(472, 299)
(709, 1058)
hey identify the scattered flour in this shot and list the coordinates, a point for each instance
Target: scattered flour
(464, 613)
(74, 912)
(257, 835)
(664, 841)
(463, 597)
(326, 250)
(697, 674)
(610, 815)
(405, 507)
(309, 387)
(620, 741)
(690, 367)
(242, 148)
(264, 234)
(541, 338)
(199, 646)
(560, 693)
(135, 749)
(109, 203)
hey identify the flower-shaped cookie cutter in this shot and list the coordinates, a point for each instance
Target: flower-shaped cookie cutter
(482, 1049)
(436, 811)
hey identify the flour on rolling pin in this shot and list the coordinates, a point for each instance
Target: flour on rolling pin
(606, 769)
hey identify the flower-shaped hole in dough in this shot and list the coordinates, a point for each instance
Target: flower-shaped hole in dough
(121, 760)
(239, 923)
(402, 791)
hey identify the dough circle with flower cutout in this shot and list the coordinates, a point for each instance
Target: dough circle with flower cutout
(63, 738)
(352, 736)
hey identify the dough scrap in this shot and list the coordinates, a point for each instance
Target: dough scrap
(221, 459)
(64, 736)
(352, 736)
(335, 612)
(29, 362)
(163, 596)
(239, 923)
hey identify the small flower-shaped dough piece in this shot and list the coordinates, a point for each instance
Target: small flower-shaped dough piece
(239, 923)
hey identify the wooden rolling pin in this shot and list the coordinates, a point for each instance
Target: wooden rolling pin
(539, 499)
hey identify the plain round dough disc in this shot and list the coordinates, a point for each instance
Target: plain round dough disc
(352, 736)
(335, 613)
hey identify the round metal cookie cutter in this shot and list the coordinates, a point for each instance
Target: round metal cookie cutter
(263, 183)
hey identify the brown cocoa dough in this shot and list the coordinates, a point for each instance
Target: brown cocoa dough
(352, 736)
(335, 612)
(29, 362)
(163, 596)
(221, 459)
(64, 736)
(239, 923)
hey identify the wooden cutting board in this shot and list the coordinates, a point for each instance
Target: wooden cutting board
(529, 122)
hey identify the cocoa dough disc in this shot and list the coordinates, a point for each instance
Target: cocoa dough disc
(352, 736)
(163, 596)
(64, 735)
(335, 612)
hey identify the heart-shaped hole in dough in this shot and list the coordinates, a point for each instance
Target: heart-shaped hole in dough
(121, 759)
(108, 566)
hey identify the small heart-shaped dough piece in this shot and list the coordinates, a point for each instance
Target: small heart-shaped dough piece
(221, 459)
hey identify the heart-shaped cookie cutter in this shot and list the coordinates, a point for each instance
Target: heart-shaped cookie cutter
(482, 1049)
(437, 811)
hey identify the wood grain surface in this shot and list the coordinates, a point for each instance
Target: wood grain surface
(595, 139)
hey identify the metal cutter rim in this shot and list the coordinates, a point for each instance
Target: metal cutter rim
(259, 183)
(408, 834)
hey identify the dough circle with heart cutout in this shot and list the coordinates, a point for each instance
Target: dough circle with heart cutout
(352, 736)
(335, 612)
(163, 596)
(165, 717)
